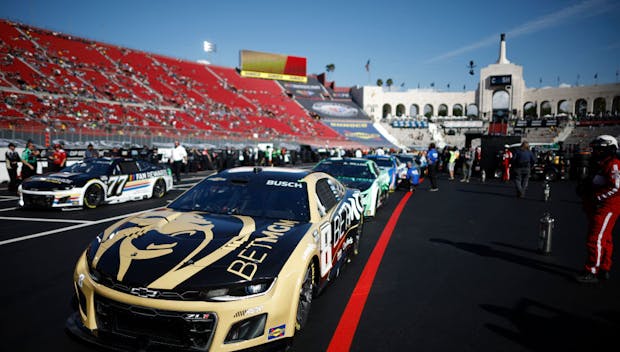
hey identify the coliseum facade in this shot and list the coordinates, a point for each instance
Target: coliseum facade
(501, 95)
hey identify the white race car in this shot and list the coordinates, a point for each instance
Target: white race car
(96, 181)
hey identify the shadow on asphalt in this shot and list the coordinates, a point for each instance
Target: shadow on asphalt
(488, 251)
(541, 327)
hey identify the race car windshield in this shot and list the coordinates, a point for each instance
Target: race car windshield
(255, 197)
(91, 167)
(383, 162)
(345, 169)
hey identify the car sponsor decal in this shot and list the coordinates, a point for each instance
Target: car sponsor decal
(276, 332)
(147, 175)
(180, 273)
(332, 234)
(255, 252)
(186, 224)
(284, 184)
(196, 316)
(249, 311)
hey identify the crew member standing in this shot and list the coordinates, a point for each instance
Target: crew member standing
(523, 161)
(433, 162)
(29, 161)
(601, 203)
(178, 158)
(12, 161)
(506, 159)
(58, 159)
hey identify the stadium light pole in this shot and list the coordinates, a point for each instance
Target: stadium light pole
(208, 48)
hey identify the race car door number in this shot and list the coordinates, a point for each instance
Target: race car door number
(116, 184)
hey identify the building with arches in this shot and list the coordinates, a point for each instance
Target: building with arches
(501, 95)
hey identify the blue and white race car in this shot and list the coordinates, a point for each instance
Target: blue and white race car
(392, 166)
(96, 181)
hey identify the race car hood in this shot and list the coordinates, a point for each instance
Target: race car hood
(352, 182)
(168, 249)
(56, 181)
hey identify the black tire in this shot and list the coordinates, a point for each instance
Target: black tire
(306, 293)
(93, 196)
(159, 189)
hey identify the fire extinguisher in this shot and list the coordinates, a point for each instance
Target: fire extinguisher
(546, 190)
(545, 234)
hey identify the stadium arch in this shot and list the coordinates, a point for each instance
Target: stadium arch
(414, 110)
(442, 110)
(615, 105)
(428, 110)
(387, 110)
(529, 110)
(400, 110)
(457, 110)
(563, 107)
(501, 104)
(599, 106)
(545, 108)
(581, 107)
(472, 110)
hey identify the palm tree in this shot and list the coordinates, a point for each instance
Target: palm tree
(389, 83)
(380, 82)
(330, 68)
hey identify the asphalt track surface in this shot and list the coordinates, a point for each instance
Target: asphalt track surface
(460, 272)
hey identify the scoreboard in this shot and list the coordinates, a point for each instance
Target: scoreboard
(504, 80)
(272, 66)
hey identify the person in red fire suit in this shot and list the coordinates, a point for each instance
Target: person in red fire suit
(600, 193)
(506, 158)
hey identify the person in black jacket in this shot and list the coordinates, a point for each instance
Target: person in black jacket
(522, 161)
(12, 161)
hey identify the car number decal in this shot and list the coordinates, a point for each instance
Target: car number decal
(115, 185)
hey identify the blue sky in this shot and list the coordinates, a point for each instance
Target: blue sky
(413, 42)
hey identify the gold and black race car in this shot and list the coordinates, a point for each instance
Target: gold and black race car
(231, 264)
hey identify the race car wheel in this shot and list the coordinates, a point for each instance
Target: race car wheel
(93, 196)
(159, 189)
(305, 298)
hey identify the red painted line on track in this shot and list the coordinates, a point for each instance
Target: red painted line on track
(343, 336)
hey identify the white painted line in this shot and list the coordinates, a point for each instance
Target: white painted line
(73, 227)
(9, 199)
(8, 209)
(43, 219)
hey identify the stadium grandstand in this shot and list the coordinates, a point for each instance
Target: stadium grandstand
(74, 88)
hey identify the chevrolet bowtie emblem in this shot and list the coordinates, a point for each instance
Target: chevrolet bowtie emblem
(144, 292)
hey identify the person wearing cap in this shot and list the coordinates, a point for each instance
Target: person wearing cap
(523, 160)
(91, 152)
(58, 159)
(601, 202)
(506, 159)
(12, 161)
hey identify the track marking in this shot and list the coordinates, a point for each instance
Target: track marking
(68, 228)
(8, 209)
(9, 199)
(44, 219)
(343, 336)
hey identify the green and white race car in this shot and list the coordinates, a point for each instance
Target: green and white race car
(360, 173)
